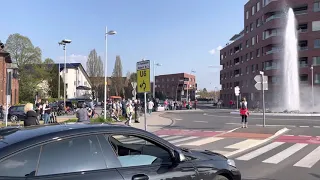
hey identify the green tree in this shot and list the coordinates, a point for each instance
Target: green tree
(94, 65)
(27, 58)
(117, 79)
(22, 50)
(48, 61)
(205, 90)
(133, 77)
(53, 81)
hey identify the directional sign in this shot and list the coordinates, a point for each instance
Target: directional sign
(143, 76)
(258, 79)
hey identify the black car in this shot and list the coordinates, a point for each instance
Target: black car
(103, 151)
(16, 113)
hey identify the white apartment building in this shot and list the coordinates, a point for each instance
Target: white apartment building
(76, 77)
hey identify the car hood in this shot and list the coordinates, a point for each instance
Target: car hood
(204, 154)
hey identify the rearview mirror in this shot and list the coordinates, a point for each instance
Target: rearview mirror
(179, 156)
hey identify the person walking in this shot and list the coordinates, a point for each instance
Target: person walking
(150, 106)
(244, 113)
(46, 112)
(129, 111)
(136, 112)
(31, 117)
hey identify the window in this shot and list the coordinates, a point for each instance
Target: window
(258, 52)
(258, 6)
(257, 38)
(251, 27)
(135, 151)
(251, 55)
(316, 61)
(20, 165)
(316, 6)
(315, 25)
(317, 43)
(252, 41)
(71, 155)
(317, 78)
(247, 43)
(258, 22)
(252, 10)
(247, 29)
(247, 15)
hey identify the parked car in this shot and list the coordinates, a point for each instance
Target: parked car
(16, 113)
(103, 151)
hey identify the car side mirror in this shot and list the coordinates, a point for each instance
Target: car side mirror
(179, 156)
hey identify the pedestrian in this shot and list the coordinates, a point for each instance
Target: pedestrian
(244, 113)
(136, 112)
(46, 112)
(129, 111)
(82, 113)
(31, 117)
(150, 106)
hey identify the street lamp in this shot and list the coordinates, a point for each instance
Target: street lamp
(64, 43)
(106, 69)
(192, 71)
(312, 90)
(154, 78)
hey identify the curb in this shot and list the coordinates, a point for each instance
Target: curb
(281, 114)
(172, 121)
(184, 111)
(262, 143)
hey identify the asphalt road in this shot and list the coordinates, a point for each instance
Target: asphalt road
(295, 155)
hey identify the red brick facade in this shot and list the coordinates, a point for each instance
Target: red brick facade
(5, 62)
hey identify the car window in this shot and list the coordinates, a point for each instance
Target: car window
(21, 164)
(71, 155)
(136, 151)
(20, 108)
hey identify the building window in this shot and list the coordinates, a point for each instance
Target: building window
(258, 22)
(247, 57)
(316, 60)
(258, 6)
(247, 29)
(247, 15)
(247, 43)
(317, 78)
(251, 55)
(317, 43)
(257, 38)
(251, 27)
(316, 6)
(252, 10)
(252, 41)
(315, 25)
(258, 52)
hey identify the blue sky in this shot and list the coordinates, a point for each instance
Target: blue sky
(176, 33)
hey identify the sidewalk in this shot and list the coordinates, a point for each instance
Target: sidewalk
(154, 122)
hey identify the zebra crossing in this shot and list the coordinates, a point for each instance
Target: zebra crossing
(301, 155)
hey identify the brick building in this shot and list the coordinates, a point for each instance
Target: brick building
(5, 67)
(259, 47)
(174, 86)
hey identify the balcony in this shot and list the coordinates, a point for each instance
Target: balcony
(266, 2)
(273, 34)
(301, 10)
(272, 51)
(273, 67)
(303, 48)
(276, 16)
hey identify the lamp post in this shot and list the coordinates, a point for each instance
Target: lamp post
(64, 43)
(106, 69)
(154, 78)
(312, 90)
(192, 71)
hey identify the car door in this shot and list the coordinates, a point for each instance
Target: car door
(73, 158)
(142, 159)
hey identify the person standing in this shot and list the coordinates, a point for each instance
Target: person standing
(46, 112)
(136, 112)
(31, 117)
(150, 106)
(244, 113)
(82, 113)
(129, 111)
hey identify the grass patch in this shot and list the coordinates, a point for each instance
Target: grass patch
(98, 120)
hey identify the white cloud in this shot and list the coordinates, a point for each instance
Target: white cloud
(74, 58)
(215, 50)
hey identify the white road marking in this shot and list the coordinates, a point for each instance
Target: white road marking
(178, 119)
(303, 126)
(288, 135)
(285, 153)
(316, 126)
(202, 141)
(182, 139)
(172, 137)
(269, 119)
(234, 123)
(259, 151)
(243, 144)
(221, 152)
(275, 125)
(220, 131)
(309, 160)
(162, 136)
(201, 121)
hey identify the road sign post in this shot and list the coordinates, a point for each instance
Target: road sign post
(262, 85)
(237, 92)
(143, 84)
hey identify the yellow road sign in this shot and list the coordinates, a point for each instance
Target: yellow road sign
(143, 76)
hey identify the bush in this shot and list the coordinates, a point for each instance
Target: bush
(98, 120)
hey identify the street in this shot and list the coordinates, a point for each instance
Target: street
(259, 152)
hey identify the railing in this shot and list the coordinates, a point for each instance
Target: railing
(273, 51)
(302, 30)
(301, 12)
(268, 2)
(303, 65)
(271, 67)
(303, 48)
(274, 17)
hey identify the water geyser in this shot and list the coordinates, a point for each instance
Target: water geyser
(290, 85)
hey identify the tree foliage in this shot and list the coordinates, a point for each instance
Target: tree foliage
(94, 65)
(117, 79)
(22, 50)
(48, 61)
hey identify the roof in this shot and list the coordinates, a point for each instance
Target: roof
(6, 55)
(10, 136)
(75, 66)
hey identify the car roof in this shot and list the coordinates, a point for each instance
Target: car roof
(10, 136)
